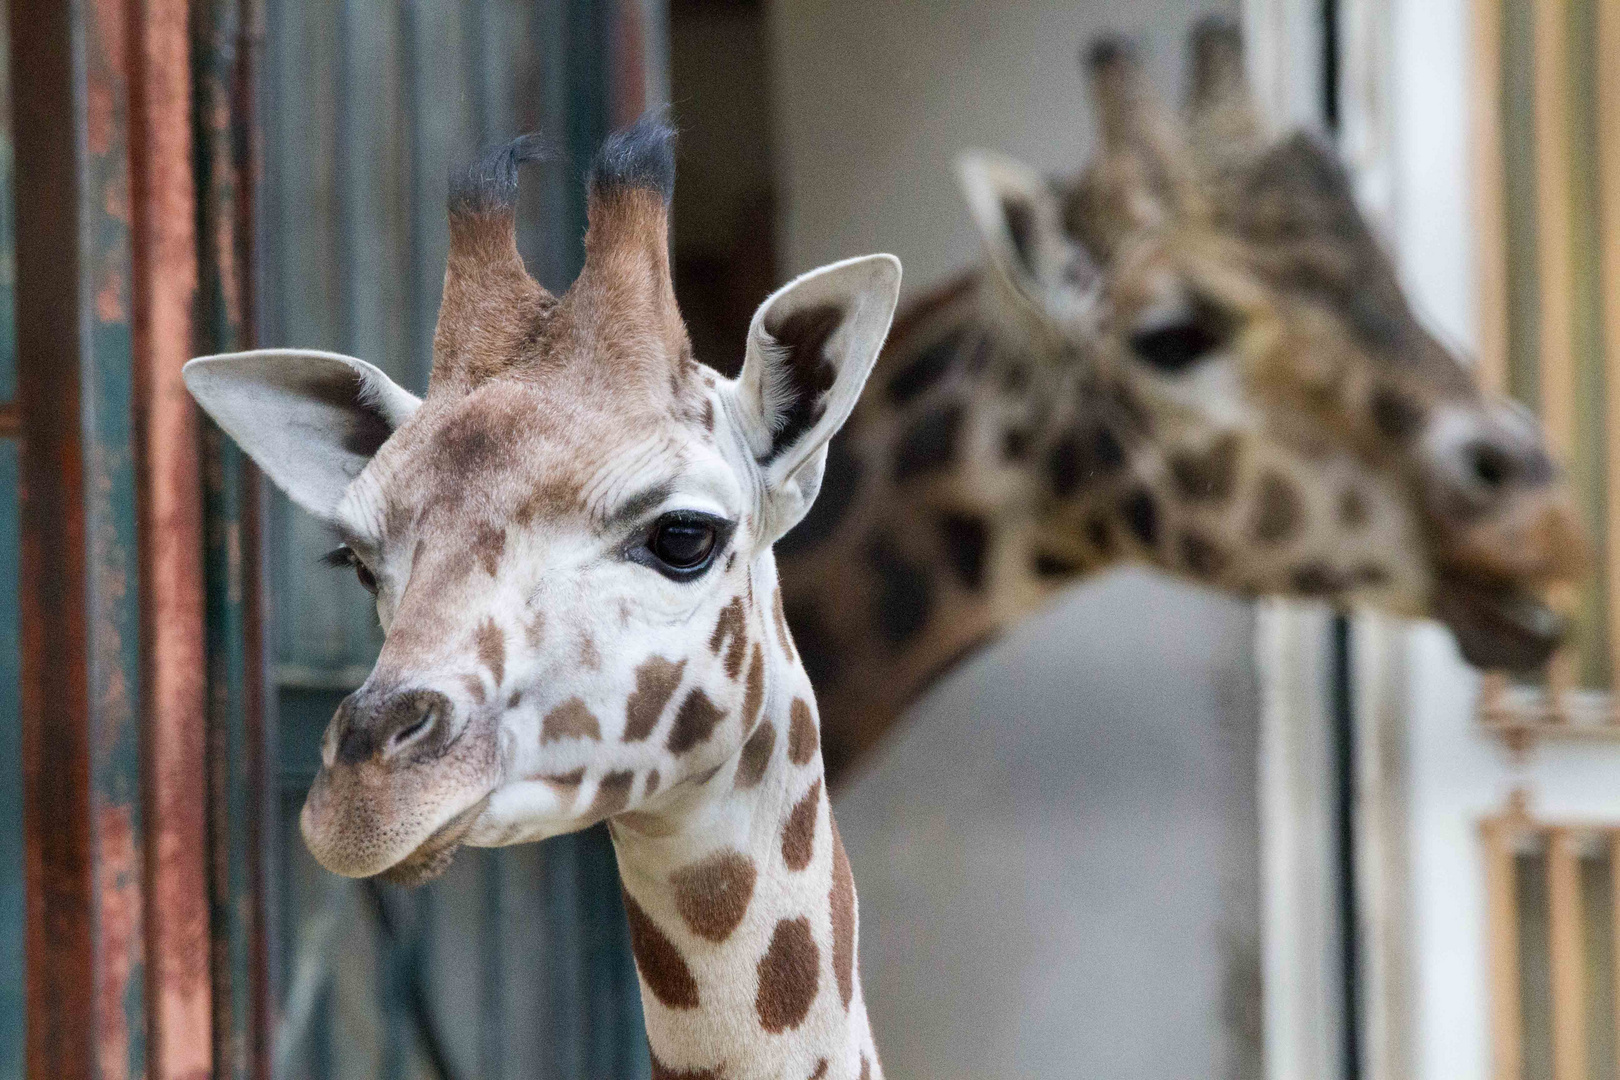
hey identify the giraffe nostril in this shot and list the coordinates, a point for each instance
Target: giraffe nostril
(1491, 466)
(408, 734)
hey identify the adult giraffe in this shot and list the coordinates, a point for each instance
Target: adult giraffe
(1196, 356)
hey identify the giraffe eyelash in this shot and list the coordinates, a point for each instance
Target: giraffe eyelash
(340, 557)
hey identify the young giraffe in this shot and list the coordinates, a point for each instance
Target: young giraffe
(1198, 357)
(569, 541)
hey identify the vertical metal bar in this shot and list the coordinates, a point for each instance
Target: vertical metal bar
(165, 283)
(1345, 840)
(1556, 274)
(81, 670)
(1502, 908)
(224, 141)
(12, 901)
(1490, 186)
(1613, 844)
(1606, 55)
(1568, 955)
(11, 780)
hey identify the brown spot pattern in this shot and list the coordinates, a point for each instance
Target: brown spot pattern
(660, 1071)
(612, 794)
(652, 781)
(491, 644)
(570, 720)
(732, 627)
(1277, 511)
(866, 1068)
(1210, 476)
(803, 741)
(712, 894)
(754, 691)
(1201, 555)
(566, 784)
(821, 1070)
(782, 633)
(756, 755)
(656, 680)
(488, 545)
(658, 960)
(665, 1072)
(694, 722)
(1353, 508)
(475, 688)
(789, 975)
(841, 899)
(799, 834)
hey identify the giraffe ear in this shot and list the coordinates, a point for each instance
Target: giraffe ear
(810, 347)
(1020, 221)
(311, 420)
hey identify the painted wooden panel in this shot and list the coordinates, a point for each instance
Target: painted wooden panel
(11, 796)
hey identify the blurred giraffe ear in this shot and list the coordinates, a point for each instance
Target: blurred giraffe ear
(1019, 219)
(810, 347)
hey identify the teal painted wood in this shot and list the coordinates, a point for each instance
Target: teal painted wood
(11, 796)
(235, 780)
(113, 614)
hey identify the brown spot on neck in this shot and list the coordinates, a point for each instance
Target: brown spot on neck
(756, 755)
(488, 545)
(789, 975)
(841, 901)
(661, 965)
(660, 1071)
(712, 895)
(612, 794)
(799, 834)
(802, 739)
(782, 634)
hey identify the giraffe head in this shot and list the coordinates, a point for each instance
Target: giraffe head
(564, 536)
(1259, 408)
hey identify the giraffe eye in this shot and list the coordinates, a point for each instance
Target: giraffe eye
(1175, 345)
(344, 556)
(682, 545)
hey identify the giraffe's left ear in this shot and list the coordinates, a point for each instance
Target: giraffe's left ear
(1020, 221)
(810, 347)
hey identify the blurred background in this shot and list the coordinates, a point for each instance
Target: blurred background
(1154, 832)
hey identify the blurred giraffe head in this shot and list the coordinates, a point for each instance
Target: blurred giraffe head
(1256, 404)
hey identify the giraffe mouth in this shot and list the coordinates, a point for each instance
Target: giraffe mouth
(433, 856)
(1499, 625)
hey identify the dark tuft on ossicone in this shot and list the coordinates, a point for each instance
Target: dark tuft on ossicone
(639, 156)
(1107, 50)
(490, 182)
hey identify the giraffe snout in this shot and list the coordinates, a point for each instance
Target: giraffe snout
(384, 725)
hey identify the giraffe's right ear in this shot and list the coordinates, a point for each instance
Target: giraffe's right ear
(810, 347)
(1020, 221)
(310, 420)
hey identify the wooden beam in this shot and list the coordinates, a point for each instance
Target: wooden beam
(1606, 54)
(1502, 907)
(1553, 261)
(1568, 952)
(81, 681)
(179, 1029)
(1490, 193)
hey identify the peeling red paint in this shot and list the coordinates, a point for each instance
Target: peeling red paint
(118, 874)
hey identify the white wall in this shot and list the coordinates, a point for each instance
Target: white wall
(875, 98)
(1057, 857)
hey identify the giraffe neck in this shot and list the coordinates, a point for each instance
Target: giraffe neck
(741, 903)
(926, 540)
